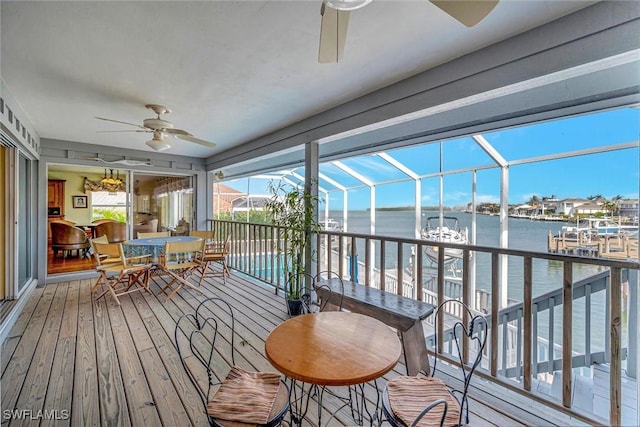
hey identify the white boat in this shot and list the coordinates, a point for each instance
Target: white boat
(449, 232)
(589, 228)
(331, 224)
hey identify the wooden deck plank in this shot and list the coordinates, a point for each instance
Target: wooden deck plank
(111, 347)
(113, 401)
(85, 408)
(140, 402)
(170, 407)
(60, 392)
(18, 367)
(163, 343)
(13, 338)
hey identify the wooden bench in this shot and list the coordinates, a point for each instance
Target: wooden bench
(399, 312)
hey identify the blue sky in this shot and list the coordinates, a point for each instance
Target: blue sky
(608, 174)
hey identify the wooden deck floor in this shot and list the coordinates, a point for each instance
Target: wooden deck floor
(97, 363)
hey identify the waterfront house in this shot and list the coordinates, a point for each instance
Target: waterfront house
(245, 75)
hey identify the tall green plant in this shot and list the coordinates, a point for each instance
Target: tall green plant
(291, 208)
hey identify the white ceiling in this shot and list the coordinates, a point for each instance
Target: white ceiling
(230, 71)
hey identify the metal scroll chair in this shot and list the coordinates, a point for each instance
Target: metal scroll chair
(327, 293)
(180, 260)
(216, 254)
(422, 401)
(205, 341)
(127, 275)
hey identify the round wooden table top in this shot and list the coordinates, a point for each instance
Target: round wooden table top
(333, 348)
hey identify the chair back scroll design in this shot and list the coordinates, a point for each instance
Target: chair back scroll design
(193, 332)
(208, 336)
(467, 340)
(330, 284)
(471, 329)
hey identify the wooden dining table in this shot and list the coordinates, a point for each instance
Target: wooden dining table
(332, 348)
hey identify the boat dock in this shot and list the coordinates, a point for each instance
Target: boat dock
(618, 246)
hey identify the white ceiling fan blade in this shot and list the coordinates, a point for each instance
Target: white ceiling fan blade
(131, 130)
(176, 132)
(333, 34)
(192, 138)
(119, 121)
(467, 12)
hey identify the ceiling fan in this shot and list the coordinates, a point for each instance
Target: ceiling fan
(335, 19)
(160, 129)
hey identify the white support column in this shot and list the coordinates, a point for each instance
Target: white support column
(474, 229)
(418, 208)
(504, 212)
(345, 203)
(311, 175)
(504, 234)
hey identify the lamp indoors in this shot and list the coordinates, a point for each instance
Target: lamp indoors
(159, 141)
(112, 183)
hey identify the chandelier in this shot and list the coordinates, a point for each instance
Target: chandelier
(111, 183)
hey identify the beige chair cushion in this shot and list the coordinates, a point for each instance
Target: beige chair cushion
(245, 397)
(408, 396)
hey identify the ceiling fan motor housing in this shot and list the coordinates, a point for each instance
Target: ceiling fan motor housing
(157, 124)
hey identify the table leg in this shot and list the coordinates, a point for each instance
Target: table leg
(414, 346)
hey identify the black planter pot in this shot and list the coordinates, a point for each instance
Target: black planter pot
(294, 307)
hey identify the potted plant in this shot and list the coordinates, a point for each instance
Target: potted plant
(291, 209)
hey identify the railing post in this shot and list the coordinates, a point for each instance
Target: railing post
(567, 331)
(440, 297)
(528, 330)
(615, 371)
(466, 300)
(495, 308)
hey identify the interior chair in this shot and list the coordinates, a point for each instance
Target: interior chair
(128, 275)
(327, 293)
(102, 221)
(147, 226)
(216, 253)
(67, 238)
(179, 261)
(115, 231)
(206, 342)
(426, 400)
(143, 235)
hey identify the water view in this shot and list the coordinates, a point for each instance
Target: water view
(523, 234)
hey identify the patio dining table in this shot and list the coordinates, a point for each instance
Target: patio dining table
(332, 348)
(153, 245)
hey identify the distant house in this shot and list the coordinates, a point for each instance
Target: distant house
(223, 196)
(589, 208)
(248, 203)
(571, 207)
(629, 208)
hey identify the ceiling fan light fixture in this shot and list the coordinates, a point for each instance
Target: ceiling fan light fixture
(347, 4)
(159, 143)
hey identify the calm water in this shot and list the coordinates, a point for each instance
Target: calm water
(523, 234)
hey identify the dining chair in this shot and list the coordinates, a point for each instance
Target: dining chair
(327, 293)
(105, 258)
(216, 253)
(68, 238)
(128, 274)
(428, 401)
(207, 235)
(180, 261)
(151, 234)
(206, 340)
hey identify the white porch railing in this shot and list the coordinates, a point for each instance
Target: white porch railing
(519, 342)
